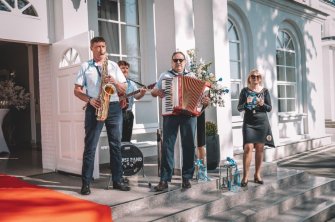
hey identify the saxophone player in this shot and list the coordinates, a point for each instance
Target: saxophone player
(93, 75)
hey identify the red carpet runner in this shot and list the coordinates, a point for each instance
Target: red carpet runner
(24, 202)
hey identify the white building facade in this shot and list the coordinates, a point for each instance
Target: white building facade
(290, 42)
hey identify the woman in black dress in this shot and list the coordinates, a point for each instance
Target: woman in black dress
(255, 101)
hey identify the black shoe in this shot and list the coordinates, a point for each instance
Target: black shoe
(161, 186)
(186, 183)
(85, 189)
(256, 180)
(244, 184)
(121, 186)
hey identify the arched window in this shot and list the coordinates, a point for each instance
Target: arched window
(286, 73)
(18, 7)
(119, 25)
(235, 66)
(70, 57)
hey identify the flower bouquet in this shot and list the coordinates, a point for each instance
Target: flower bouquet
(12, 95)
(201, 70)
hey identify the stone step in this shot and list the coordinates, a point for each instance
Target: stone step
(287, 149)
(320, 208)
(305, 195)
(290, 148)
(231, 199)
(175, 192)
(194, 204)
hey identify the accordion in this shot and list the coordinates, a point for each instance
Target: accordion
(183, 95)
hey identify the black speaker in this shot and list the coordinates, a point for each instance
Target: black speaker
(132, 159)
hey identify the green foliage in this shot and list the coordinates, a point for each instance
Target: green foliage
(211, 128)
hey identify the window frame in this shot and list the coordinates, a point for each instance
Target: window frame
(286, 83)
(122, 55)
(235, 81)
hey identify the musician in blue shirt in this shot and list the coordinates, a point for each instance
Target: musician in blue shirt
(87, 88)
(171, 124)
(128, 116)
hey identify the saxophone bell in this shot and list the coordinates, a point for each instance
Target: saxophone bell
(109, 89)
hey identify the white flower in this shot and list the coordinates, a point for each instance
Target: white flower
(12, 95)
(201, 71)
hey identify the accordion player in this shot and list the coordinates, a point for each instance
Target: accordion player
(183, 95)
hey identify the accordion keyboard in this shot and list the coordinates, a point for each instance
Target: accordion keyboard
(167, 103)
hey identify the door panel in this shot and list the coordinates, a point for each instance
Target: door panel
(68, 110)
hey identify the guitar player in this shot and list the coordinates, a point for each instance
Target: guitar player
(128, 116)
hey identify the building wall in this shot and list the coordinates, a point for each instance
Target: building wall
(71, 18)
(272, 17)
(202, 24)
(328, 42)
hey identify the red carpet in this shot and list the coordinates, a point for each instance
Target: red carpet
(24, 202)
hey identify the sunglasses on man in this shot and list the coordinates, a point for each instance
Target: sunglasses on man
(178, 60)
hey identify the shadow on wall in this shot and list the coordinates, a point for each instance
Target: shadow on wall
(76, 4)
(306, 49)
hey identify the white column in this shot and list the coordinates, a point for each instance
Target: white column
(331, 98)
(222, 69)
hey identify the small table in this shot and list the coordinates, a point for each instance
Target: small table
(3, 144)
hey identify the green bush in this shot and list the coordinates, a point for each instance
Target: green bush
(211, 128)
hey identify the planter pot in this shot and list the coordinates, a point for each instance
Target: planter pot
(213, 151)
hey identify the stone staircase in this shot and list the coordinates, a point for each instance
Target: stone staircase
(287, 195)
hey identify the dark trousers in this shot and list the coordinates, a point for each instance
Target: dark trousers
(187, 126)
(127, 126)
(93, 129)
(201, 130)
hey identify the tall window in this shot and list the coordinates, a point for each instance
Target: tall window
(286, 73)
(235, 66)
(119, 25)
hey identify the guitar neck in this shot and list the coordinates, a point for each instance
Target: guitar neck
(130, 94)
(151, 86)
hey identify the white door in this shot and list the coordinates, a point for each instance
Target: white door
(67, 56)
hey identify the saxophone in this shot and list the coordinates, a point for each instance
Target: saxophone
(106, 90)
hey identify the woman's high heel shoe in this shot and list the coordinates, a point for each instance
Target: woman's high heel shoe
(244, 184)
(256, 180)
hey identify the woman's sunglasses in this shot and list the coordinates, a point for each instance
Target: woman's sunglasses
(255, 76)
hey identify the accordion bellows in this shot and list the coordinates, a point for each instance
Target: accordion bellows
(183, 95)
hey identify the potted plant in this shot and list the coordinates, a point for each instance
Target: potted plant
(212, 145)
(12, 98)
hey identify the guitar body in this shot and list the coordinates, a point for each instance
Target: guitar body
(125, 102)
